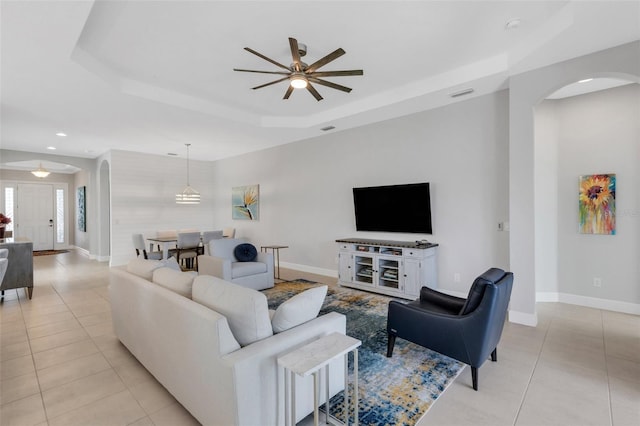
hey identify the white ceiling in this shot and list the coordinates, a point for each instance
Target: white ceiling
(150, 76)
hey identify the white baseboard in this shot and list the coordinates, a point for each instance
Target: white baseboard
(310, 269)
(590, 302)
(523, 318)
(85, 252)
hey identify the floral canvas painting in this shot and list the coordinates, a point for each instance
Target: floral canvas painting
(597, 204)
(245, 202)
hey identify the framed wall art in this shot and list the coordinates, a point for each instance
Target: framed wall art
(597, 204)
(82, 208)
(245, 202)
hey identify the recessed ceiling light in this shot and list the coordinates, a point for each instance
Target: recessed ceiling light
(513, 24)
(325, 129)
(62, 135)
(52, 148)
(172, 153)
(586, 80)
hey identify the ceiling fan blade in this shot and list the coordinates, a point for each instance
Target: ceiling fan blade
(314, 92)
(330, 84)
(295, 54)
(248, 49)
(324, 61)
(263, 72)
(288, 92)
(336, 73)
(269, 84)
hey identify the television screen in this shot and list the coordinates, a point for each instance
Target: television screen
(394, 208)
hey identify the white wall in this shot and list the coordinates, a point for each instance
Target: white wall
(143, 189)
(599, 133)
(546, 192)
(306, 199)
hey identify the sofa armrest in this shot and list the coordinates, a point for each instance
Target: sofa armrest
(449, 303)
(268, 259)
(258, 381)
(214, 266)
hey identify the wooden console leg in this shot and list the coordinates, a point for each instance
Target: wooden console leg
(30, 292)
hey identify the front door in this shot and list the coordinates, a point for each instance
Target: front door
(35, 214)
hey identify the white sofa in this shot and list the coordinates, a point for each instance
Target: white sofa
(192, 352)
(222, 263)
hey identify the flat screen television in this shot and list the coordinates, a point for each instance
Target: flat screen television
(393, 208)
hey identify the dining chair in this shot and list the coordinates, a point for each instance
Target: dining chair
(187, 249)
(138, 244)
(229, 232)
(208, 236)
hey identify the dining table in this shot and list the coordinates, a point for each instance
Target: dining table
(165, 242)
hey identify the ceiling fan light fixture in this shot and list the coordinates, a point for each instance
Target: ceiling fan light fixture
(40, 172)
(298, 82)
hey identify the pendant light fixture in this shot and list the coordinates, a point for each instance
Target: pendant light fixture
(40, 172)
(189, 195)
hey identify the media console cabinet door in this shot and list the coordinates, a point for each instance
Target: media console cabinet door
(398, 270)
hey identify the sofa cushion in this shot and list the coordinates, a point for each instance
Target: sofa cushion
(299, 309)
(178, 282)
(172, 263)
(243, 269)
(143, 267)
(245, 252)
(246, 309)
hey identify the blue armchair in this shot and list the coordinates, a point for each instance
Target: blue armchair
(465, 329)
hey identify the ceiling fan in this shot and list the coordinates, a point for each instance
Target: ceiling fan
(301, 75)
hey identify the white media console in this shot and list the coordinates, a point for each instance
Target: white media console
(394, 268)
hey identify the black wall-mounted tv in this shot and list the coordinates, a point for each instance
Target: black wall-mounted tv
(393, 208)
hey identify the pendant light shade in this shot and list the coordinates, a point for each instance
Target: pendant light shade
(188, 195)
(40, 172)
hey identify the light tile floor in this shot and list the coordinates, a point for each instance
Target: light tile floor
(60, 363)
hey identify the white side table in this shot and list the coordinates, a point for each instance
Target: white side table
(310, 359)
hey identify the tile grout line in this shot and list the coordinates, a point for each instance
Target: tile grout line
(606, 369)
(535, 366)
(110, 363)
(33, 361)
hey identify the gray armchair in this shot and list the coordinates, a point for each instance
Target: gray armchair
(465, 329)
(223, 263)
(4, 263)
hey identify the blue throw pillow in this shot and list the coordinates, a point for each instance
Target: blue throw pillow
(245, 252)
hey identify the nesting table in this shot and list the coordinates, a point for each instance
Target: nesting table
(276, 258)
(310, 359)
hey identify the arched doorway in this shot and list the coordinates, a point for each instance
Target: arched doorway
(525, 92)
(581, 131)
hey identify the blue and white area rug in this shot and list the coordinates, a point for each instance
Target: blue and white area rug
(393, 391)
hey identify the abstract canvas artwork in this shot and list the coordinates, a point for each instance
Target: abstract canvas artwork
(597, 204)
(82, 213)
(245, 202)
